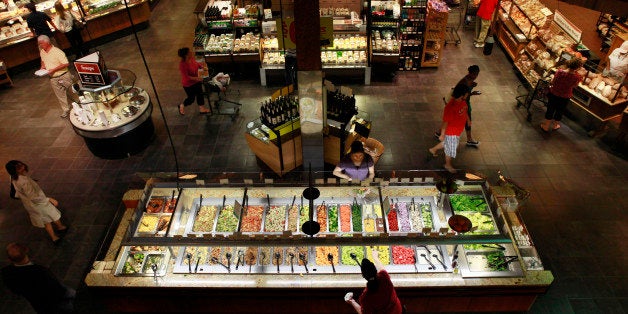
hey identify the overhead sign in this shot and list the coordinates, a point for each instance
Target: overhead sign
(569, 28)
(286, 32)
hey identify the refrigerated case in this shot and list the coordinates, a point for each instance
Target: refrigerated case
(18, 46)
(519, 22)
(245, 238)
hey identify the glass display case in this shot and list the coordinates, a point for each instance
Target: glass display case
(257, 230)
(384, 31)
(520, 22)
(113, 119)
(245, 236)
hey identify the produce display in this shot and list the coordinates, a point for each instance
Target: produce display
(170, 205)
(163, 223)
(346, 42)
(333, 218)
(195, 252)
(346, 259)
(155, 205)
(403, 255)
(356, 218)
(468, 203)
(250, 256)
(331, 11)
(252, 219)
(205, 218)
(384, 41)
(277, 256)
(148, 223)
(323, 251)
(221, 44)
(302, 252)
(152, 259)
(249, 42)
(265, 256)
(275, 220)
(273, 58)
(369, 224)
(384, 253)
(404, 217)
(293, 218)
(483, 222)
(214, 254)
(321, 217)
(393, 223)
(345, 218)
(426, 213)
(343, 57)
(227, 220)
(133, 263)
(270, 42)
(495, 261)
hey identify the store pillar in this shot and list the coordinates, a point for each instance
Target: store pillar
(310, 78)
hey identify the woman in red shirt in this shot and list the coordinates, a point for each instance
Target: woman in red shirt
(561, 90)
(379, 296)
(191, 80)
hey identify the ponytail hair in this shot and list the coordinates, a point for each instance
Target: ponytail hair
(369, 272)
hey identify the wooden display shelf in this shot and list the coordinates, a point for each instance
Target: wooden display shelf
(291, 151)
(4, 75)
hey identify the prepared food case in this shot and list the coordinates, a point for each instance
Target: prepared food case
(309, 260)
(143, 261)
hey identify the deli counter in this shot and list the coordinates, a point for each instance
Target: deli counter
(243, 243)
(103, 17)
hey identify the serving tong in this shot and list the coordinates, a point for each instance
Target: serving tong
(304, 260)
(330, 258)
(291, 259)
(277, 258)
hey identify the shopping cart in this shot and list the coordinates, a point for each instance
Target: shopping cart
(454, 20)
(217, 97)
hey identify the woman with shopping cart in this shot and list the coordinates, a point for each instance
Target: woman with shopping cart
(191, 80)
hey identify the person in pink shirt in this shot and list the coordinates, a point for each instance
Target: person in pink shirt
(192, 82)
(561, 90)
(486, 9)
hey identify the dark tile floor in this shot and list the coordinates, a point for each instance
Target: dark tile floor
(576, 213)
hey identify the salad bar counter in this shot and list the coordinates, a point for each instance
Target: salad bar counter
(218, 242)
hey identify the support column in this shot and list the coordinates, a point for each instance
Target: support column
(310, 78)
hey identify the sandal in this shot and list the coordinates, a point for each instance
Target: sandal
(181, 109)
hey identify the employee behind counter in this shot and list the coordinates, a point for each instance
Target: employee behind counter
(356, 165)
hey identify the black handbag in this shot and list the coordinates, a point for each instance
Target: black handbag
(12, 193)
(78, 24)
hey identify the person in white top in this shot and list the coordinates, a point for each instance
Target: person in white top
(55, 63)
(618, 62)
(41, 209)
(64, 20)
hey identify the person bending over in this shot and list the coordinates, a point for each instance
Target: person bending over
(356, 165)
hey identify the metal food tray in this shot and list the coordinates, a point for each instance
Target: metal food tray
(418, 201)
(196, 205)
(153, 232)
(145, 269)
(155, 210)
(471, 194)
(471, 265)
(205, 266)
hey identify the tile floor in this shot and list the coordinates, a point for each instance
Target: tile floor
(576, 213)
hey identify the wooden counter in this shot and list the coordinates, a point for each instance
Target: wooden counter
(291, 152)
